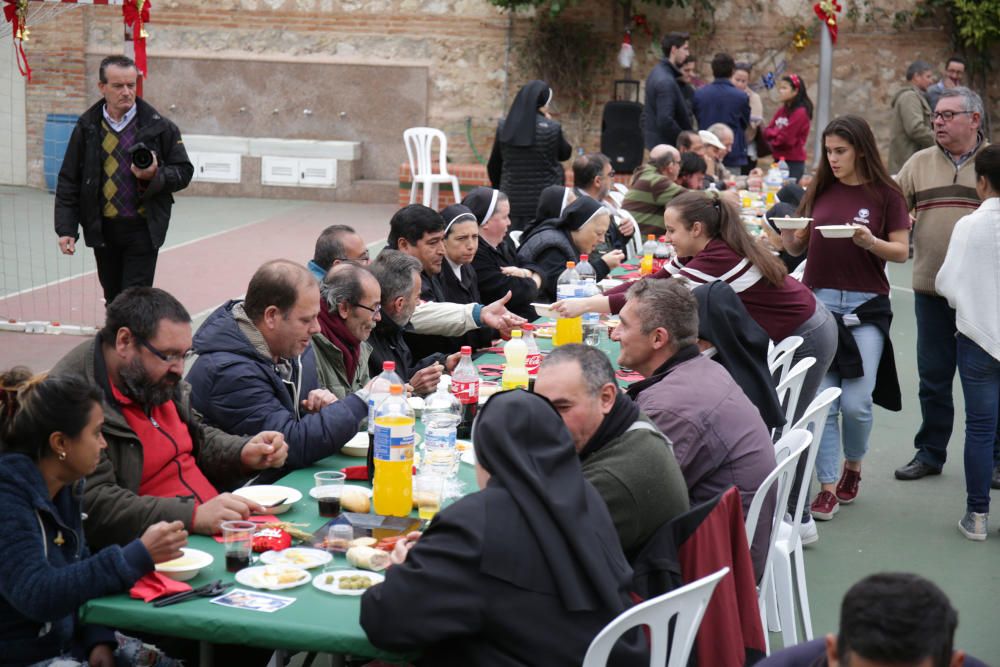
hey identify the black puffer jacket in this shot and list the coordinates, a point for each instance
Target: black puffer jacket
(78, 194)
(522, 172)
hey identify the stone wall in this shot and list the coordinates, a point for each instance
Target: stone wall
(468, 47)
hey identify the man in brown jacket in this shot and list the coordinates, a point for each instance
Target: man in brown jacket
(162, 463)
(911, 116)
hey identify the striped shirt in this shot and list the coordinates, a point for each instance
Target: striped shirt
(649, 193)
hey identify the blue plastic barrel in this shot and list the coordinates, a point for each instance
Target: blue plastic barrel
(58, 129)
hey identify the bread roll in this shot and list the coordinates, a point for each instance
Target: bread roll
(354, 500)
(368, 558)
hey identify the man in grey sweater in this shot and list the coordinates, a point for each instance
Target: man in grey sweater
(627, 459)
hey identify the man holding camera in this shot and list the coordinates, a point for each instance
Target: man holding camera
(122, 164)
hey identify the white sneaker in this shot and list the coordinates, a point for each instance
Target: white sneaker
(974, 525)
(808, 532)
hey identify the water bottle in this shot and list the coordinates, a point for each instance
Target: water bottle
(393, 486)
(377, 393)
(515, 372)
(465, 387)
(568, 329)
(441, 414)
(783, 169)
(648, 250)
(588, 284)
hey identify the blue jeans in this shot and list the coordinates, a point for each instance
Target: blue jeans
(853, 410)
(980, 375)
(936, 368)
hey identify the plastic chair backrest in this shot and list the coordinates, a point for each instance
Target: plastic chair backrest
(780, 357)
(787, 452)
(687, 603)
(419, 149)
(790, 389)
(814, 421)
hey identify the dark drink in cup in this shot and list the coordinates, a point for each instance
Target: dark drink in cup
(329, 507)
(236, 562)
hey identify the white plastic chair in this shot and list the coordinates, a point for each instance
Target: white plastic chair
(788, 450)
(515, 236)
(687, 603)
(419, 149)
(789, 390)
(788, 547)
(779, 357)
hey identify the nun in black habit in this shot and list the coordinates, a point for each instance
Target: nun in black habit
(527, 152)
(458, 277)
(494, 263)
(578, 231)
(525, 572)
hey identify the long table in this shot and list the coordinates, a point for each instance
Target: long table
(316, 621)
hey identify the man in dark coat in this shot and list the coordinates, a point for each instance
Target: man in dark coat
(256, 368)
(722, 102)
(124, 209)
(666, 113)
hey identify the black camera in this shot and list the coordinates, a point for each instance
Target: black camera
(142, 156)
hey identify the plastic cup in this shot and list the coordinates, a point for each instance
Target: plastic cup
(329, 487)
(237, 536)
(428, 489)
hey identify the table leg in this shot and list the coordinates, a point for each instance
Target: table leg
(206, 651)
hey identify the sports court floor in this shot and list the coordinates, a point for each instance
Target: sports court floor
(215, 244)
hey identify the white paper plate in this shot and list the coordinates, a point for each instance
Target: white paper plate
(265, 494)
(257, 577)
(187, 566)
(320, 581)
(356, 446)
(609, 283)
(545, 310)
(837, 231)
(363, 489)
(791, 223)
(302, 557)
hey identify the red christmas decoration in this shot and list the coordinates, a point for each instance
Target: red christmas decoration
(136, 15)
(16, 13)
(827, 11)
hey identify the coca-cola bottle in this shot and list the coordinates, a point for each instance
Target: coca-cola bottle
(534, 358)
(465, 386)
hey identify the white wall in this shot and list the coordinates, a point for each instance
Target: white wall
(13, 147)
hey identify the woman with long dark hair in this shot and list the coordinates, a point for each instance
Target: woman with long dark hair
(789, 129)
(852, 187)
(527, 152)
(50, 439)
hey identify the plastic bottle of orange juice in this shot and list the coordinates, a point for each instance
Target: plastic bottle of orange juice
(394, 422)
(648, 250)
(568, 329)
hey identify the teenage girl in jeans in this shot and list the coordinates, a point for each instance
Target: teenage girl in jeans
(848, 275)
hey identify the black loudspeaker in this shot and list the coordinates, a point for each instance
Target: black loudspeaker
(621, 135)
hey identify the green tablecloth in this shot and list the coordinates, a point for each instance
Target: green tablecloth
(317, 621)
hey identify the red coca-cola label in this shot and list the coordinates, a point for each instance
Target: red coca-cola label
(532, 362)
(465, 392)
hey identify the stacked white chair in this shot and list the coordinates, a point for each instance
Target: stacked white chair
(687, 603)
(788, 547)
(787, 452)
(789, 390)
(419, 149)
(779, 357)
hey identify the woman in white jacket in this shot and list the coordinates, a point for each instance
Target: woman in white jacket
(970, 280)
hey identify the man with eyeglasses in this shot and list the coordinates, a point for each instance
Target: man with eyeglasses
(594, 177)
(257, 370)
(336, 244)
(162, 462)
(939, 184)
(350, 307)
